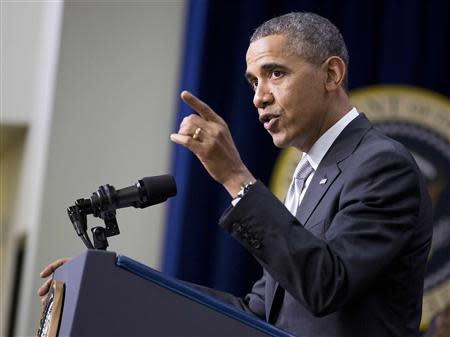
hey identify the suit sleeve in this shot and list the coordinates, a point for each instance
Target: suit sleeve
(375, 217)
(252, 303)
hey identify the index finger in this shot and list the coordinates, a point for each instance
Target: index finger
(200, 107)
(47, 271)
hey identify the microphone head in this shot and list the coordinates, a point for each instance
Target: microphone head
(157, 189)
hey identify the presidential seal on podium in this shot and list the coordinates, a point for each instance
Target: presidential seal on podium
(52, 311)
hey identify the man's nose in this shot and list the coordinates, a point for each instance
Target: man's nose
(263, 97)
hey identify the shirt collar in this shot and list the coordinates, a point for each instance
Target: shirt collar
(323, 144)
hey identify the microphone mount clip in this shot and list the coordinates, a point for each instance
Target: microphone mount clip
(105, 211)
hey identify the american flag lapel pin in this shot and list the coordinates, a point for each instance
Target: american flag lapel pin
(323, 181)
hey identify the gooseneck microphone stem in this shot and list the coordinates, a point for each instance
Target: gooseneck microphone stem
(103, 204)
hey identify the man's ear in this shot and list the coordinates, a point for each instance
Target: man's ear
(336, 70)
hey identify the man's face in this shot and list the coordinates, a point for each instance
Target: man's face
(290, 93)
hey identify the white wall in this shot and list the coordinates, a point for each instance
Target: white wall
(108, 121)
(21, 27)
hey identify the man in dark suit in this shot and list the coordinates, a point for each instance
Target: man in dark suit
(345, 254)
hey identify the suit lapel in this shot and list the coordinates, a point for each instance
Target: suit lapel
(328, 169)
(311, 199)
(316, 190)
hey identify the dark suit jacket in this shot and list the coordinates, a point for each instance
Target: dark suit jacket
(353, 262)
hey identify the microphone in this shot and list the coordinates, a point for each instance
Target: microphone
(146, 192)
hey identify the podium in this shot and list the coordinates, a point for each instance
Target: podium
(103, 294)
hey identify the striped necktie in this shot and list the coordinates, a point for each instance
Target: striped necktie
(292, 201)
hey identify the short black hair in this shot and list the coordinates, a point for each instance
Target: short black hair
(310, 35)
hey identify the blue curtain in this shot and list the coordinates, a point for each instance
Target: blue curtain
(401, 42)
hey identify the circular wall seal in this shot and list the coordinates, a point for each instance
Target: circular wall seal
(420, 119)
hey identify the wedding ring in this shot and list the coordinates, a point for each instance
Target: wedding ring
(196, 133)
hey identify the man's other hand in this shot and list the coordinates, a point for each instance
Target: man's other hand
(46, 272)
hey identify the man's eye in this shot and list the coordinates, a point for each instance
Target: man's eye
(254, 84)
(277, 74)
